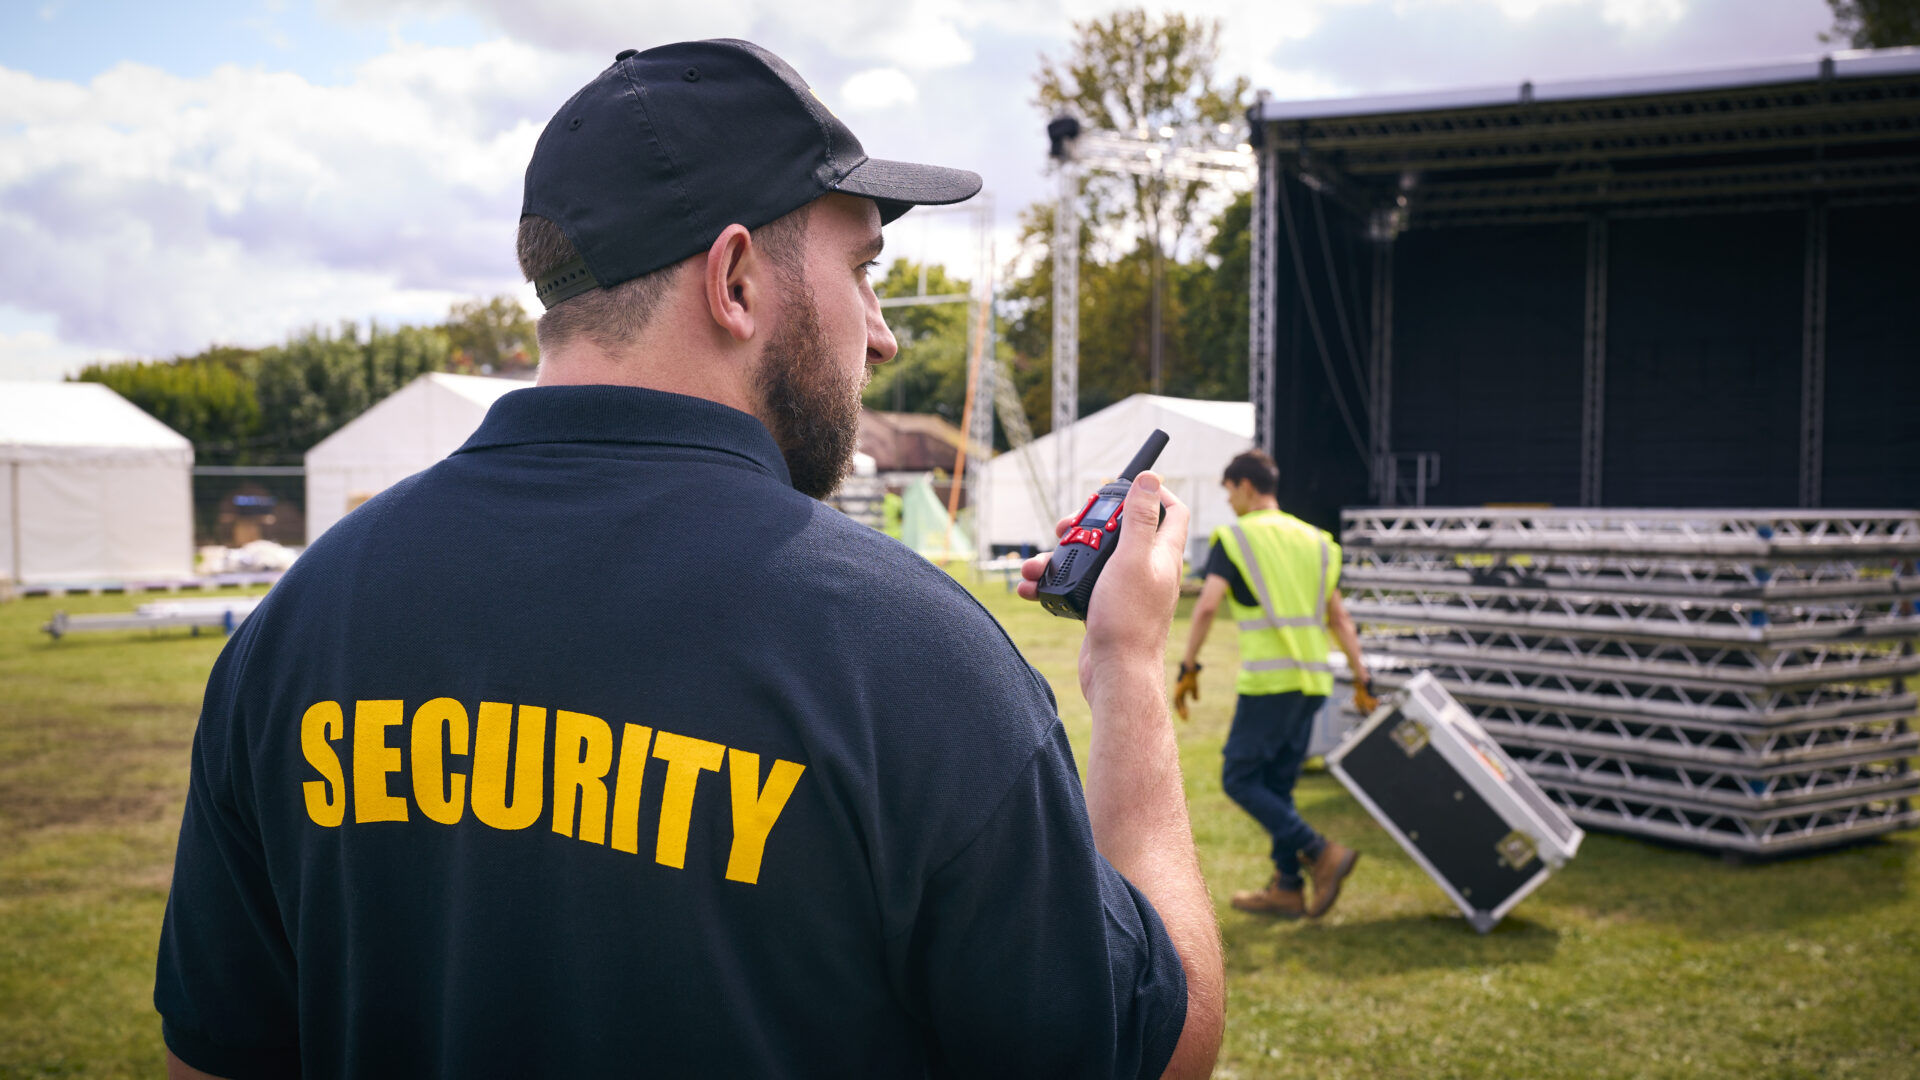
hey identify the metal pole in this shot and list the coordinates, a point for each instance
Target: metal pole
(1382, 418)
(1066, 331)
(1813, 358)
(13, 510)
(1594, 385)
(1260, 301)
(981, 432)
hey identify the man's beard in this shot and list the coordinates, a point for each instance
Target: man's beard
(812, 409)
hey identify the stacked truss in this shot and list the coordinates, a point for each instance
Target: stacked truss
(1733, 679)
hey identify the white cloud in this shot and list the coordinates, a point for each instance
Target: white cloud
(37, 355)
(155, 214)
(878, 88)
(150, 214)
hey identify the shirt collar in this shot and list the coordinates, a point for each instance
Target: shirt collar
(626, 414)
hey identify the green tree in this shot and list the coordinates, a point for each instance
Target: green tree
(1875, 24)
(1134, 71)
(207, 397)
(269, 406)
(930, 372)
(1212, 294)
(491, 337)
(1206, 318)
(318, 381)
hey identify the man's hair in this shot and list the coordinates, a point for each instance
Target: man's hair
(610, 317)
(1256, 468)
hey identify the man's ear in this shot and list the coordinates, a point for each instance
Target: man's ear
(732, 282)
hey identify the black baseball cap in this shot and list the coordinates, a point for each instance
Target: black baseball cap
(652, 159)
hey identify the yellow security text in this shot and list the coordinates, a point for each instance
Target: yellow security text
(514, 764)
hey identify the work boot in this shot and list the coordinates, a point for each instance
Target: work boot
(1327, 872)
(1272, 900)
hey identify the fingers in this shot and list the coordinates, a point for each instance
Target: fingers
(1031, 572)
(1060, 527)
(1173, 530)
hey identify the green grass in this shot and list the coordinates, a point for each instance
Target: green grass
(1636, 961)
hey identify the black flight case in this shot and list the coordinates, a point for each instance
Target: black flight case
(1465, 811)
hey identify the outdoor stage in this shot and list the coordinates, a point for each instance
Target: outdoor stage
(1688, 290)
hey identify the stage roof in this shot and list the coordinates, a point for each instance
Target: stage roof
(1844, 127)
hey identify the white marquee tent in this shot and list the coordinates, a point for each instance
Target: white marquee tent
(92, 489)
(1202, 437)
(409, 430)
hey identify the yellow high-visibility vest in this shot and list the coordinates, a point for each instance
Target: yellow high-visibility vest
(1291, 568)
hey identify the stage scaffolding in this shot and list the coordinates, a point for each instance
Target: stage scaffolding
(1525, 219)
(1733, 679)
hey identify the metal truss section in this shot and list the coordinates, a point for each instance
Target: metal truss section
(1066, 329)
(1767, 832)
(1813, 357)
(1762, 535)
(1718, 785)
(1263, 282)
(1703, 667)
(1761, 118)
(1713, 579)
(1557, 197)
(1702, 741)
(1551, 687)
(1735, 679)
(1732, 623)
(1194, 153)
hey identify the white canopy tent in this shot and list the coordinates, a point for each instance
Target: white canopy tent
(92, 489)
(406, 432)
(1202, 437)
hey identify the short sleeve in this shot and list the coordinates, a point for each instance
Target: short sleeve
(225, 980)
(1219, 562)
(1032, 955)
(1333, 562)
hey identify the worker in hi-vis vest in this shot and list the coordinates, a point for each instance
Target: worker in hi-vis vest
(1278, 575)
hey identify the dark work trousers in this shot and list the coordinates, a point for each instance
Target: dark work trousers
(1264, 752)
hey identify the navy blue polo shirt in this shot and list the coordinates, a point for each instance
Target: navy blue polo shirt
(596, 749)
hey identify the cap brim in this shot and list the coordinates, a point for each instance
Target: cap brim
(899, 186)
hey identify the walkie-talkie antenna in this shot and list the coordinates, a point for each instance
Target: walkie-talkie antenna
(1148, 454)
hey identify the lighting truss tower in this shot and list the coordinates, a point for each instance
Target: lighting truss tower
(1207, 153)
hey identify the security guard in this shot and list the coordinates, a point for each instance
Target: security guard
(1279, 577)
(603, 747)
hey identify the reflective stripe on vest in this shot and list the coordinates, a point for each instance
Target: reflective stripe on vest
(1287, 663)
(1272, 621)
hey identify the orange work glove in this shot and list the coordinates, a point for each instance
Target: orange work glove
(1187, 687)
(1363, 700)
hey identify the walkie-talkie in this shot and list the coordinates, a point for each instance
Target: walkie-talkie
(1068, 582)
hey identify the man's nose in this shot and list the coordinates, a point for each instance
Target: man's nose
(881, 347)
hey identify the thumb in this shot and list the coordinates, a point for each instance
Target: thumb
(1144, 524)
(1143, 511)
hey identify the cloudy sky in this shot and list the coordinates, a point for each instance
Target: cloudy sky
(182, 174)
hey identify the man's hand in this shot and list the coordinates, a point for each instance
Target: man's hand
(1363, 700)
(1133, 602)
(1135, 801)
(1187, 688)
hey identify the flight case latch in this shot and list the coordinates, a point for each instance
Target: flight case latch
(1516, 849)
(1411, 735)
